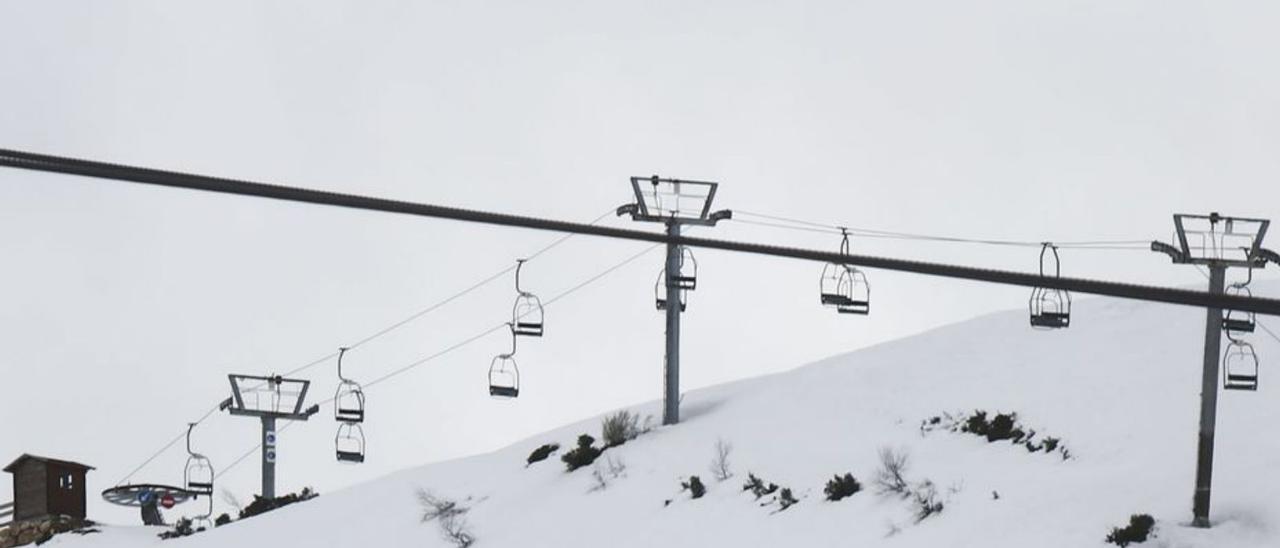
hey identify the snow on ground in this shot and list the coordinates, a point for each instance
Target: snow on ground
(1120, 387)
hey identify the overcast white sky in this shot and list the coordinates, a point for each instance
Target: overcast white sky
(125, 306)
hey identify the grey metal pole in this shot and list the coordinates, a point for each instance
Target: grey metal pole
(1208, 400)
(671, 403)
(268, 459)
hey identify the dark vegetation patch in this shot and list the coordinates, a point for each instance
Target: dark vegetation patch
(998, 428)
(262, 506)
(1138, 530)
(840, 487)
(541, 453)
(582, 455)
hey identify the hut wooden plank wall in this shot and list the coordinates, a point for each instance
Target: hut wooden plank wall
(48, 487)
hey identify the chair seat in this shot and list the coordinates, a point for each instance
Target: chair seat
(504, 391)
(1241, 382)
(350, 456)
(1050, 319)
(528, 329)
(836, 299)
(1242, 326)
(855, 307)
(350, 415)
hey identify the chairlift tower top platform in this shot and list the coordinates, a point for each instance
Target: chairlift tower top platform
(269, 398)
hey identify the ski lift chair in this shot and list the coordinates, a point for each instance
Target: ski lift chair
(198, 474)
(526, 313)
(687, 277)
(660, 293)
(1240, 367)
(504, 378)
(1050, 308)
(349, 442)
(1239, 321)
(348, 400)
(846, 289)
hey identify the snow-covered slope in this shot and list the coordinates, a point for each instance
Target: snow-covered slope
(1120, 387)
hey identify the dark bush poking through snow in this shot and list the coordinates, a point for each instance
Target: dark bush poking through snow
(582, 455)
(758, 487)
(840, 487)
(694, 486)
(786, 499)
(540, 454)
(183, 528)
(1004, 426)
(262, 506)
(1138, 530)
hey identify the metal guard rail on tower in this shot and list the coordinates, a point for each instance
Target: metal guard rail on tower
(55, 164)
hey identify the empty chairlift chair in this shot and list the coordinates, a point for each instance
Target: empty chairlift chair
(844, 287)
(660, 293)
(687, 278)
(504, 377)
(349, 411)
(1240, 367)
(1239, 321)
(526, 314)
(1050, 308)
(197, 475)
(349, 442)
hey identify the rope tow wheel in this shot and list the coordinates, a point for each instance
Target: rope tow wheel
(348, 410)
(844, 287)
(504, 377)
(1050, 308)
(526, 313)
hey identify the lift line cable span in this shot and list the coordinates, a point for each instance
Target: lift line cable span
(464, 342)
(810, 226)
(54, 164)
(392, 327)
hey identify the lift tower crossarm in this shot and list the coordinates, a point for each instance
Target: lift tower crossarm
(54, 164)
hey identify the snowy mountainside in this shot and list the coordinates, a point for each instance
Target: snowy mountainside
(1120, 388)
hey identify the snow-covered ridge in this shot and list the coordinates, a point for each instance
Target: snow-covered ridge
(1120, 387)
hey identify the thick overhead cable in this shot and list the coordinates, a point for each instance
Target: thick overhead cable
(39, 162)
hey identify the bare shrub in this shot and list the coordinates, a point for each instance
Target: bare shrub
(891, 477)
(230, 498)
(621, 427)
(720, 464)
(605, 472)
(449, 515)
(924, 497)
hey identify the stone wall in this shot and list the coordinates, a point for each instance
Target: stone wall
(22, 533)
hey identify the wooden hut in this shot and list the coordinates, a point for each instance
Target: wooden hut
(47, 487)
